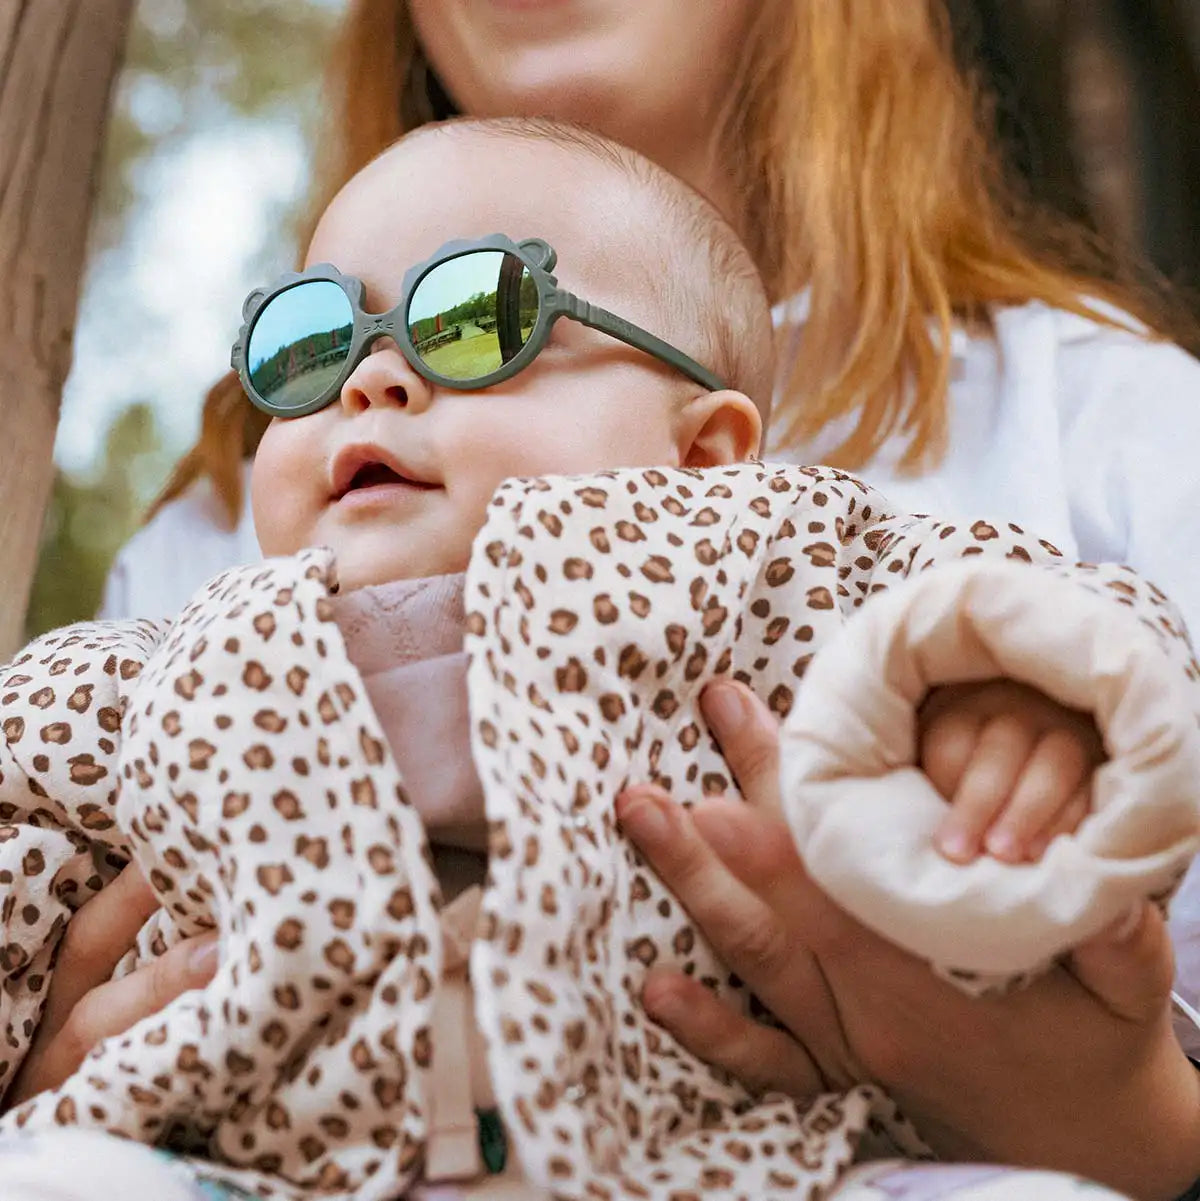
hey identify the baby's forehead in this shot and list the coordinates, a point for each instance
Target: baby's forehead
(428, 191)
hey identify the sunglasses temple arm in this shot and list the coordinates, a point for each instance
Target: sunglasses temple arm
(633, 335)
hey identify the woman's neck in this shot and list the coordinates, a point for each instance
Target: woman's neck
(692, 153)
(704, 170)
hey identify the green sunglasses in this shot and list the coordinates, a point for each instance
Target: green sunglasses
(476, 313)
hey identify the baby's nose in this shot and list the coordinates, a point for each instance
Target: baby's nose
(383, 378)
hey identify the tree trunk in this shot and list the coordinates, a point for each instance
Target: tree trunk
(58, 61)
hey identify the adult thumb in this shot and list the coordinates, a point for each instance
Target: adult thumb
(1129, 967)
(111, 1009)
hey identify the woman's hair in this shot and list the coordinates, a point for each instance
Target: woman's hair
(867, 174)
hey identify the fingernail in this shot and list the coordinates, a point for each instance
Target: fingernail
(628, 800)
(724, 708)
(1126, 926)
(1003, 845)
(203, 959)
(955, 844)
(642, 818)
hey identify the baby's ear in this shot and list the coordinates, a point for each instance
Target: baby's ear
(717, 428)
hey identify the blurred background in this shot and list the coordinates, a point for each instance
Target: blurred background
(204, 174)
(1097, 103)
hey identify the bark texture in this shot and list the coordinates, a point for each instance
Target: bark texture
(58, 61)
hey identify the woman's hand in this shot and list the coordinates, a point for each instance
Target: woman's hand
(84, 1006)
(1079, 1072)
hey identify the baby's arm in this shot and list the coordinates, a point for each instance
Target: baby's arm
(933, 606)
(61, 704)
(1015, 765)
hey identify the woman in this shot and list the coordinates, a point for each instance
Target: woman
(947, 352)
(946, 334)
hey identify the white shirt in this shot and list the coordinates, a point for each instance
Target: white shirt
(186, 543)
(1085, 435)
(1089, 437)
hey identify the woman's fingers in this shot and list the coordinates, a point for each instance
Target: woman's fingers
(757, 847)
(749, 738)
(752, 840)
(114, 1007)
(735, 870)
(111, 1009)
(1129, 967)
(96, 939)
(762, 1058)
(719, 902)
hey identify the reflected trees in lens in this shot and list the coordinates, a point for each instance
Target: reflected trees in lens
(470, 315)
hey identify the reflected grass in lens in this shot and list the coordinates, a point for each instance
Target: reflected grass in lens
(475, 354)
(300, 334)
(304, 387)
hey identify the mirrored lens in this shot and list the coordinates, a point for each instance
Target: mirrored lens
(471, 314)
(299, 344)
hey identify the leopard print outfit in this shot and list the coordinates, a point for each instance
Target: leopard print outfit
(234, 755)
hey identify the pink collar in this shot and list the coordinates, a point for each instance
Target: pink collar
(406, 640)
(390, 625)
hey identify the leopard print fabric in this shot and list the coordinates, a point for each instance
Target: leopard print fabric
(258, 792)
(598, 612)
(260, 797)
(62, 703)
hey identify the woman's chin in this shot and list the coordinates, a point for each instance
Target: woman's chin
(536, 85)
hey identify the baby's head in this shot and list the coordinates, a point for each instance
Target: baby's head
(393, 469)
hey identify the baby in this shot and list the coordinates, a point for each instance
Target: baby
(566, 411)
(401, 452)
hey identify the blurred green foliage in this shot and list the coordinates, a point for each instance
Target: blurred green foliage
(189, 64)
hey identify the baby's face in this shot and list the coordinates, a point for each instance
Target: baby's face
(586, 403)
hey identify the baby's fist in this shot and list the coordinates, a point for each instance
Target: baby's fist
(1015, 766)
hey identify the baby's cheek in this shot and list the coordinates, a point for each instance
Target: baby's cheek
(280, 484)
(471, 511)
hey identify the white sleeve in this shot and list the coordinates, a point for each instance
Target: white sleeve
(1131, 448)
(1131, 443)
(115, 603)
(184, 545)
(864, 815)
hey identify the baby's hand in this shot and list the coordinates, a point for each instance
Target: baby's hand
(1015, 766)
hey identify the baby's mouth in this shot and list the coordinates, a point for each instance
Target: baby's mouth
(374, 475)
(359, 471)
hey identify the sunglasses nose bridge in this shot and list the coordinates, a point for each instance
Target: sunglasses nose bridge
(382, 325)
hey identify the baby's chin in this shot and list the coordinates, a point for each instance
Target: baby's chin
(359, 567)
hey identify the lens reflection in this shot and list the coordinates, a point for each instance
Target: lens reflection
(471, 314)
(299, 344)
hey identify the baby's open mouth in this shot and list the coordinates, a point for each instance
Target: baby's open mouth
(360, 471)
(371, 475)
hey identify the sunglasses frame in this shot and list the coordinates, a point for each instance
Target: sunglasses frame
(539, 258)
